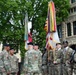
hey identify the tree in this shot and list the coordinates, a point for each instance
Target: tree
(12, 14)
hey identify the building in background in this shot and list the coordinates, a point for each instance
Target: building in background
(68, 31)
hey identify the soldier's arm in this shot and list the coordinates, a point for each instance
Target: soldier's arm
(25, 68)
(40, 60)
(17, 64)
(1, 63)
(7, 63)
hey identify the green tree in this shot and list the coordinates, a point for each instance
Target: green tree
(12, 14)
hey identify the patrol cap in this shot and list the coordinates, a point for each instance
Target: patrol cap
(65, 42)
(7, 45)
(35, 44)
(30, 43)
(58, 44)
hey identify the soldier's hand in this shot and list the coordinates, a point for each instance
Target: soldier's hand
(55, 62)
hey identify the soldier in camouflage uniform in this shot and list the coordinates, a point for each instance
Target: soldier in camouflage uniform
(58, 59)
(45, 62)
(36, 47)
(31, 61)
(67, 52)
(74, 62)
(14, 62)
(51, 68)
(4, 61)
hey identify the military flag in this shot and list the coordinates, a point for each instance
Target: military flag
(28, 35)
(52, 35)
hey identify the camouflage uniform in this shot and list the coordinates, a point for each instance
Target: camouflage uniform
(67, 52)
(44, 63)
(32, 63)
(40, 59)
(14, 64)
(74, 64)
(58, 60)
(51, 68)
(40, 53)
(4, 63)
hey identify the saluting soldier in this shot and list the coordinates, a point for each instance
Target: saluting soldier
(14, 62)
(58, 59)
(31, 61)
(5, 68)
(67, 52)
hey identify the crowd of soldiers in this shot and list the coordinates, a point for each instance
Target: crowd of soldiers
(8, 61)
(60, 61)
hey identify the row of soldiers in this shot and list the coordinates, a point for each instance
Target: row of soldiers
(61, 61)
(8, 61)
(53, 62)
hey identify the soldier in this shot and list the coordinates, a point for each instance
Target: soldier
(36, 47)
(67, 52)
(50, 62)
(14, 62)
(73, 61)
(4, 61)
(58, 59)
(31, 61)
(45, 62)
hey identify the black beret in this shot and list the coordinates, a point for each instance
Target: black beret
(65, 42)
(30, 43)
(58, 44)
(35, 44)
(7, 45)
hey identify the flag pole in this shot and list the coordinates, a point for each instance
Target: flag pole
(51, 0)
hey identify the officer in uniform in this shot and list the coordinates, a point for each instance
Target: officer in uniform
(67, 52)
(51, 67)
(14, 62)
(36, 47)
(31, 61)
(5, 68)
(58, 59)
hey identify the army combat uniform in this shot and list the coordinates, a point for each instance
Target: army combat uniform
(4, 63)
(31, 63)
(67, 52)
(74, 63)
(51, 67)
(58, 60)
(44, 63)
(14, 64)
